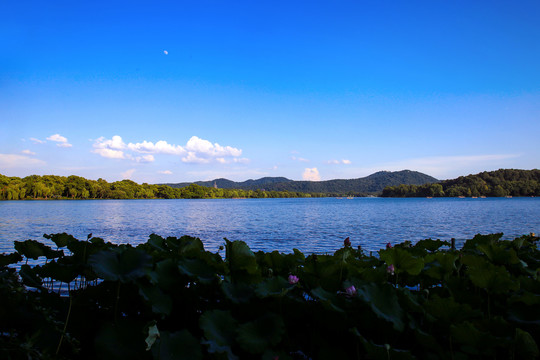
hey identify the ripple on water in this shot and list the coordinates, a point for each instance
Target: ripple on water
(310, 225)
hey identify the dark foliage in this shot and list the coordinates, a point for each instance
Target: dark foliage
(171, 299)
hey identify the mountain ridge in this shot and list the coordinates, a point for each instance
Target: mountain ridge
(371, 184)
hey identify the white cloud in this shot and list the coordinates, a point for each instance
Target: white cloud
(111, 149)
(116, 143)
(311, 174)
(28, 152)
(37, 141)
(205, 147)
(145, 159)
(196, 150)
(62, 141)
(128, 173)
(241, 160)
(165, 172)
(57, 138)
(299, 159)
(110, 153)
(335, 162)
(10, 161)
(234, 160)
(161, 147)
(193, 158)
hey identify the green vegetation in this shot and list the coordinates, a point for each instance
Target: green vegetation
(503, 182)
(170, 299)
(76, 187)
(369, 185)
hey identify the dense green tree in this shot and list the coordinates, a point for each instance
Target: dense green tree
(498, 183)
(76, 187)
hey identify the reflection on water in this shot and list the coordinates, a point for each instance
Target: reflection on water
(310, 225)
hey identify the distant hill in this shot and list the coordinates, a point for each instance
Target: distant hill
(372, 184)
(503, 182)
(250, 184)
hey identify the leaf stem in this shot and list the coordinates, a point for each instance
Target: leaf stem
(65, 324)
(116, 302)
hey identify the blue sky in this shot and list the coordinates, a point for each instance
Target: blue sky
(174, 91)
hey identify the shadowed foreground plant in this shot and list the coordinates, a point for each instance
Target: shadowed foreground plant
(169, 298)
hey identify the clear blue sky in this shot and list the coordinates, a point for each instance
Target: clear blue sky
(172, 91)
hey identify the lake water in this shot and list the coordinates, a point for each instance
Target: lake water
(310, 225)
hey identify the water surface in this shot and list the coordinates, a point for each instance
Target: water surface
(310, 225)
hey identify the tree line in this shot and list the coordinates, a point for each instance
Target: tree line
(500, 183)
(76, 187)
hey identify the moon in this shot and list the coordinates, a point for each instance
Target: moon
(165, 52)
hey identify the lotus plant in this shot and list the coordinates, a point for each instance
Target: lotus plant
(350, 291)
(293, 279)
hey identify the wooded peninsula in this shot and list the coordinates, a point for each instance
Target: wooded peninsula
(500, 183)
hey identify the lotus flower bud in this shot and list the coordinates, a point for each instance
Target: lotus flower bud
(350, 291)
(388, 245)
(347, 242)
(293, 279)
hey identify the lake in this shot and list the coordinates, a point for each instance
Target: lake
(310, 225)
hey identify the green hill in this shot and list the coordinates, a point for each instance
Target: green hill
(372, 184)
(503, 182)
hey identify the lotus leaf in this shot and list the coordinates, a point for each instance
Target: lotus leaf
(526, 347)
(161, 303)
(177, 345)
(384, 302)
(33, 249)
(258, 335)
(219, 328)
(197, 269)
(275, 286)
(494, 279)
(402, 260)
(9, 259)
(122, 265)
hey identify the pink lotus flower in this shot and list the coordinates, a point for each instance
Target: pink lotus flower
(391, 269)
(293, 279)
(350, 291)
(388, 245)
(347, 242)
